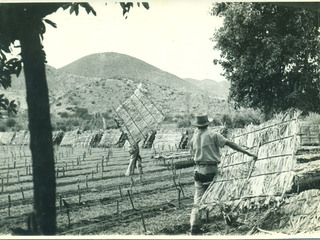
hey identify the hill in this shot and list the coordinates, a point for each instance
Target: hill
(116, 65)
(212, 87)
(99, 83)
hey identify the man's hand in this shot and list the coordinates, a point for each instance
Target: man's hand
(255, 156)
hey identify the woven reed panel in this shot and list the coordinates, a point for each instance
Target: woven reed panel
(138, 115)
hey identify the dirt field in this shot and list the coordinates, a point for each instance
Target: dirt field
(98, 194)
(94, 197)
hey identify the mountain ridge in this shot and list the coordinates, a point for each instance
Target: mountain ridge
(98, 82)
(109, 64)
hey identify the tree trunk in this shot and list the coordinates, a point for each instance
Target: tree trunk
(40, 131)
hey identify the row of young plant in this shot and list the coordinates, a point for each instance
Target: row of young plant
(77, 185)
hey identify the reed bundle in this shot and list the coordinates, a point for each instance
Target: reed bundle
(86, 139)
(167, 139)
(110, 138)
(6, 137)
(310, 135)
(19, 137)
(70, 138)
(302, 212)
(138, 115)
(242, 177)
(57, 137)
(26, 139)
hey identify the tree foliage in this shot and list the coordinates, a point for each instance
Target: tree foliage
(270, 55)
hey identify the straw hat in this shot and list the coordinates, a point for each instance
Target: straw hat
(201, 120)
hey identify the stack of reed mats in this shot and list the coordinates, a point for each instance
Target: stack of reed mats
(277, 172)
(167, 139)
(138, 115)
(111, 138)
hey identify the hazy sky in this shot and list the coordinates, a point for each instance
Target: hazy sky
(172, 35)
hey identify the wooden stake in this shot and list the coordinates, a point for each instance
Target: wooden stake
(79, 193)
(181, 189)
(119, 190)
(68, 213)
(179, 200)
(131, 200)
(18, 176)
(118, 212)
(132, 183)
(207, 215)
(60, 202)
(87, 187)
(143, 223)
(9, 205)
(22, 193)
(1, 184)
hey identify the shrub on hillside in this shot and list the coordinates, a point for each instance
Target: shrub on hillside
(216, 122)
(227, 121)
(183, 123)
(10, 122)
(82, 113)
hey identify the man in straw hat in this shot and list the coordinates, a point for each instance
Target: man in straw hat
(205, 149)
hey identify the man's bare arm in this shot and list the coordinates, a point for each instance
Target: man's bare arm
(239, 149)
